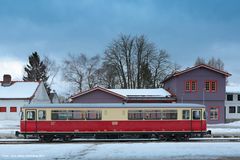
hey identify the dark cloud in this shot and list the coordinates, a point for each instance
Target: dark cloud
(185, 28)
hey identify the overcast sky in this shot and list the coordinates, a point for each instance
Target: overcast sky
(185, 28)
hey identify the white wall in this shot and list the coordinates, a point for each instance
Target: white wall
(12, 103)
(235, 103)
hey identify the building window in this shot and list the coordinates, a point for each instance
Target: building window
(207, 86)
(3, 109)
(229, 97)
(239, 97)
(214, 113)
(188, 86)
(232, 109)
(194, 86)
(211, 86)
(238, 109)
(13, 109)
(191, 86)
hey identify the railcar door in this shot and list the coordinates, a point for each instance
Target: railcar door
(31, 120)
(196, 121)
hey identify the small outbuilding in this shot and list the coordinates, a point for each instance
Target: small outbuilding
(103, 95)
(15, 94)
(232, 103)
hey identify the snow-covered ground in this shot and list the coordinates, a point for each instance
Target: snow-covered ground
(121, 151)
(226, 128)
(8, 128)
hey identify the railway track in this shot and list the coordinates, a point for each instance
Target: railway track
(192, 140)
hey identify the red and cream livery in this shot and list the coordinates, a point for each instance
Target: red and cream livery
(111, 120)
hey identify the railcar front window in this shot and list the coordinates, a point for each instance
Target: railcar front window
(42, 115)
(31, 115)
(196, 115)
(185, 114)
(169, 114)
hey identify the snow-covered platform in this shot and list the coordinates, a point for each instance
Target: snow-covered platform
(123, 151)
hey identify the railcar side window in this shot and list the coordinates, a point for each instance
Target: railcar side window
(196, 114)
(31, 115)
(152, 114)
(185, 114)
(94, 115)
(135, 115)
(59, 115)
(169, 114)
(42, 115)
(76, 115)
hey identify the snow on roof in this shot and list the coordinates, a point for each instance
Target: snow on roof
(18, 90)
(158, 92)
(233, 88)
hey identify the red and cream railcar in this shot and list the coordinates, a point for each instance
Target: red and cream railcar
(48, 121)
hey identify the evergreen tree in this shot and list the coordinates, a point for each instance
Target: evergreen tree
(36, 70)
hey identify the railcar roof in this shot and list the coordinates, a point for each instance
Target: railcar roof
(116, 105)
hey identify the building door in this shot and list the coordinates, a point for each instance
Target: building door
(196, 121)
(31, 120)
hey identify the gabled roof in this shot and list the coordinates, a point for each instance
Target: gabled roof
(94, 89)
(196, 67)
(124, 93)
(18, 90)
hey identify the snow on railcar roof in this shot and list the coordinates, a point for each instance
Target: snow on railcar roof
(116, 105)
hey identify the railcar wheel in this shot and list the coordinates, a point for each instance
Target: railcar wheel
(67, 138)
(46, 138)
(163, 138)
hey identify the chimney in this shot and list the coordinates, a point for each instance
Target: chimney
(6, 80)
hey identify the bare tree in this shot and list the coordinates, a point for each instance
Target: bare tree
(216, 63)
(81, 71)
(136, 62)
(52, 69)
(92, 71)
(199, 61)
(74, 69)
(108, 76)
(213, 62)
